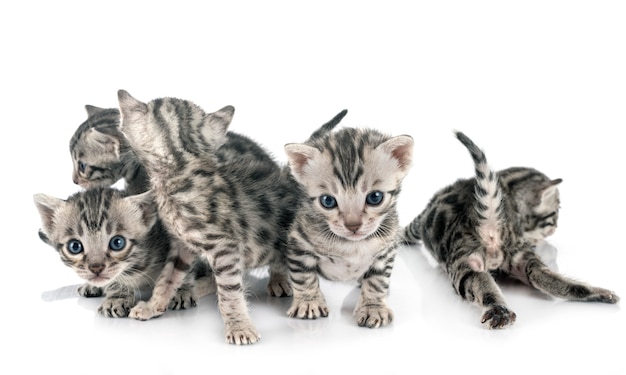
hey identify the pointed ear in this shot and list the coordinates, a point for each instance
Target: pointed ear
(47, 207)
(401, 149)
(104, 142)
(92, 110)
(216, 125)
(299, 156)
(548, 189)
(128, 104)
(147, 206)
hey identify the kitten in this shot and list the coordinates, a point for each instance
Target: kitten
(220, 195)
(346, 227)
(101, 156)
(118, 245)
(491, 224)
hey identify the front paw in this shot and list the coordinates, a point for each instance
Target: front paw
(591, 294)
(116, 307)
(498, 316)
(278, 285)
(242, 334)
(373, 315)
(145, 311)
(183, 299)
(88, 290)
(308, 309)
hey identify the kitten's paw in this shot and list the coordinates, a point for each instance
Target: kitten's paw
(498, 316)
(278, 285)
(590, 294)
(116, 307)
(308, 309)
(145, 311)
(373, 315)
(88, 290)
(241, 334)
(183, 299)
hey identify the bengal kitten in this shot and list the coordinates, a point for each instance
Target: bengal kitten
(489, 225)
(117, 244)
(221, 196)
(101, 155)
(346, 227)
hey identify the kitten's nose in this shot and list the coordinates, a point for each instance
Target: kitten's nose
(352, 227)
(96, 268)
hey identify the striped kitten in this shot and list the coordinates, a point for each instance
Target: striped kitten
(345, 229)
(101, 155)
(490, 224)
(234, 206)
(118, 245)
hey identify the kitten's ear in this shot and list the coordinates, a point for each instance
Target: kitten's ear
(128, 104)
(105, 143)
(401, 149)
(92, 110)
(299, 155)
(147, 205)
(47, 207)
(547, 190)
(216, 125)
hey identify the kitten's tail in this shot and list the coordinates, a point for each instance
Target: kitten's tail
(488, 196)
(327, 127)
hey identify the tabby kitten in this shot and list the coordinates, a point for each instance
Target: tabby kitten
(118, 245)
(346, 228)
(233, 206)
(101, 155)
(490, 224)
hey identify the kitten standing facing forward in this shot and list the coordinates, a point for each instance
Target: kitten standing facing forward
(345, 228)
(491, 224)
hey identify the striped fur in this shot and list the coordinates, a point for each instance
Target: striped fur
(118, 246)
(101, 156)
(220, 195)
(346, 228)
(490, 224)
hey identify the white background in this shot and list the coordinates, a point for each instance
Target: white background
(534, 83)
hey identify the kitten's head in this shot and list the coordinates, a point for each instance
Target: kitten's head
(96, 231)
(166, 129)
(537, 201)
(352, 178)
(95, 149)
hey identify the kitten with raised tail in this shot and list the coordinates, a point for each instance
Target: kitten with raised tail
(118, 246)
(490, 224)
(346, 226)
(220, 195)
(101, 155)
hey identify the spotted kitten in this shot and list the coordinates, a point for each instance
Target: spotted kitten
(118, 245)
(345, 229)
(101, 155)
(233, 206)
(490, 224)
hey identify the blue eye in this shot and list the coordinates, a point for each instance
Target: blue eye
(328, 201)
(374, 198)
(82, 166)
(117, 243)
(74, 247)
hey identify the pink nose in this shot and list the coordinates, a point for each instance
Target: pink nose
(96, 268)
(353, 227)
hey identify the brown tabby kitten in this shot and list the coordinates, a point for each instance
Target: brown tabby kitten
(234, 207)
(346, 227)
(489, 225)
(101, 155)
(118, 245)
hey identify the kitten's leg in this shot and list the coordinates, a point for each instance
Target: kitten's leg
(372, 310)
(228, 269)
(172, 276)
(528, 268)
(118, 302)
(475, 285)
(308, 300)
(88, 290)
(278, 284)
(198, 283)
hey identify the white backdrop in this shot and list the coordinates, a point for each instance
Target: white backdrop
(535, 83)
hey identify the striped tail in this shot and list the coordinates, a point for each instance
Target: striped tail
(488, 197)
(327, 127)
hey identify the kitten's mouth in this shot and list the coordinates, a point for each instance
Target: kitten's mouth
(98, 280)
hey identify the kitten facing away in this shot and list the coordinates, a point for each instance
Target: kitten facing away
(346, 226)
(490, 225)
(118, 246)
(101, 155)
(233, 207)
